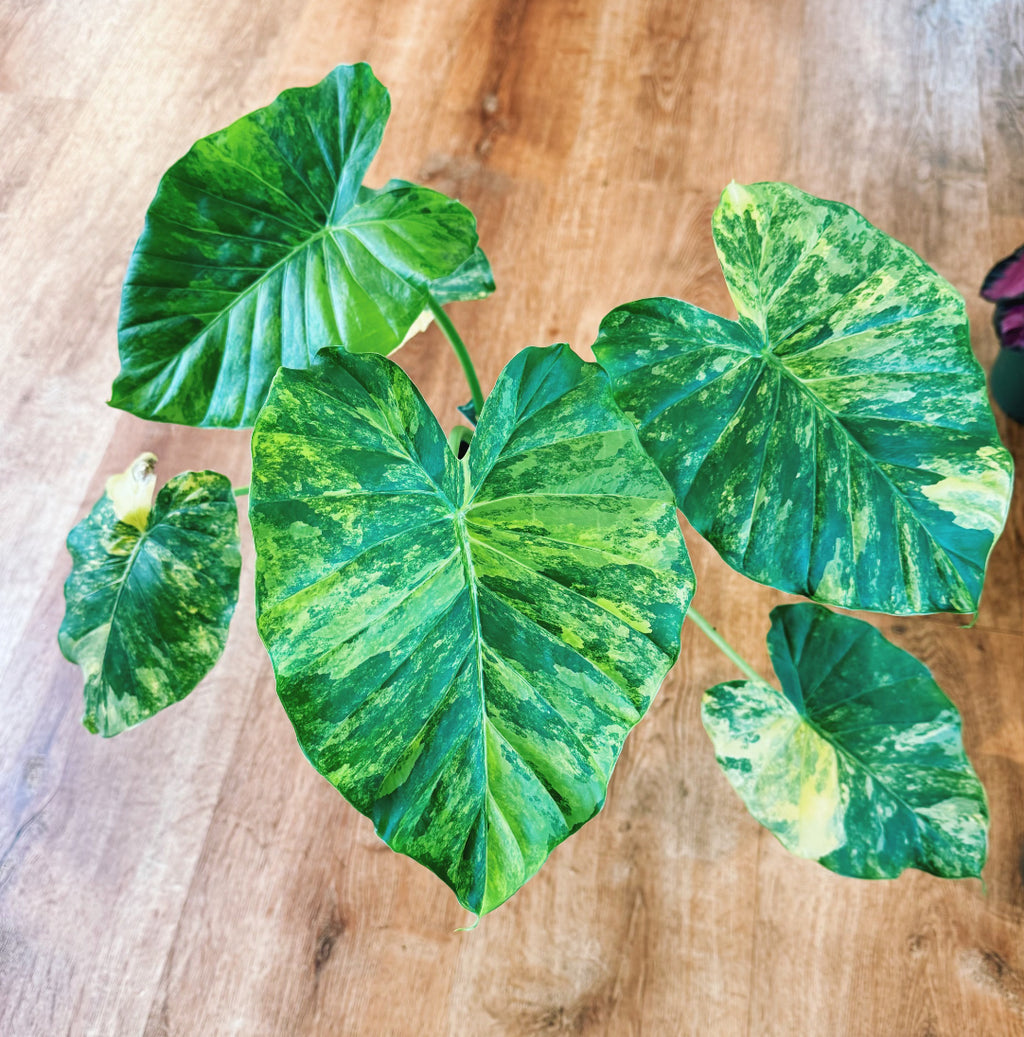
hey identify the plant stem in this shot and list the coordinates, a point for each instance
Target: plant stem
(445, 324)
(722, 645)
(241, 491)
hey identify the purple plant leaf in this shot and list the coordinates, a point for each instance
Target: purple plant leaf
(1009, 324)
(1006, 279)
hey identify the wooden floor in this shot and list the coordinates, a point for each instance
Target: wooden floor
(195, 876)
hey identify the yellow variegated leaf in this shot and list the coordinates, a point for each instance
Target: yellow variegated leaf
(151, 591)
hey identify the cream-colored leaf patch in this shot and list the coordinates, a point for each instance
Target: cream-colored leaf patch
(420, 324)
(131, 491)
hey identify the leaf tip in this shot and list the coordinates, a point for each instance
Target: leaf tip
(469, 928)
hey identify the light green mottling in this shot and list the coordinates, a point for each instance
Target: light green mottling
(462, 647)
(858, 762)
(835, 441)
(957, 492)
(147, 609)
(261, 246)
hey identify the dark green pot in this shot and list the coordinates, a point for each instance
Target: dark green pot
(1007, 382)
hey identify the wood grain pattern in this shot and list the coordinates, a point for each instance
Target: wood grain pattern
(195, 876)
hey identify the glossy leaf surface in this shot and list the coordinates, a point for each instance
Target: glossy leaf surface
(836, 441)
(261, 247)
(859, 761)
(472, 280)
(462, 646)
(150, 595)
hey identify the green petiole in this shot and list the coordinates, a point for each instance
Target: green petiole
(445, 324)
(722, 645)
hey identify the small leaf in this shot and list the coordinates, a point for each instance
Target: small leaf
(858, 762)
(836, 441)
(462, 646)
(150, 597)
(260, 247)
(468, 411)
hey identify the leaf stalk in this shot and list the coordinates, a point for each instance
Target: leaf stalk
(445, 324)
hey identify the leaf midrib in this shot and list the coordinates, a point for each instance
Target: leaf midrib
(462, 536)
(136, 551)
(919, 822)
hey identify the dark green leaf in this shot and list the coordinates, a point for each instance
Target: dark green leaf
(859, 761)
(463, 646)
(151, 592)
(260, 247)
(837, 440)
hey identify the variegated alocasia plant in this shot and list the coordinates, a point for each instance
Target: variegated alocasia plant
(465, 629)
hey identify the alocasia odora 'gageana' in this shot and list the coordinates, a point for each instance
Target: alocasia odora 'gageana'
(464, 630)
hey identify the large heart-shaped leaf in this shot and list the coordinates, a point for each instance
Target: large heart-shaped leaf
(462, 646)
(858, 762)
(837, 440)
(260, 247)
(151, 592)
